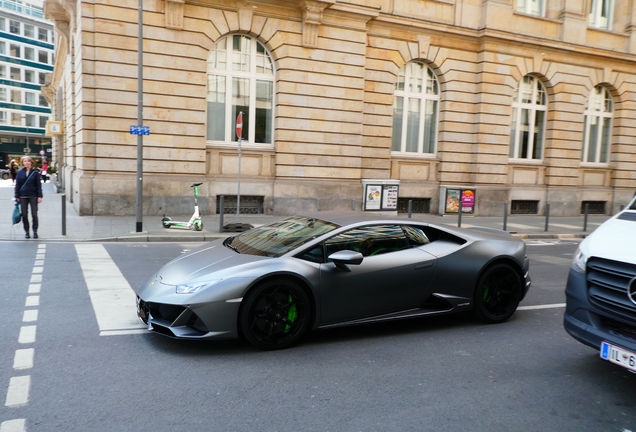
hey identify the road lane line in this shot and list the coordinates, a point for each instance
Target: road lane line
(23, 358)
(32, 301)
(30, 315)
(111, 295)
(17, 425)
(27, 334)
(547, 306)
(18, 392)
(36, 278)
(34, 288)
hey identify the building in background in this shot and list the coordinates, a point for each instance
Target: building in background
(365, 104)
(26, 56)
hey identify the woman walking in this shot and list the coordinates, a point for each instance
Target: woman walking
(28, 192)
(13, 170)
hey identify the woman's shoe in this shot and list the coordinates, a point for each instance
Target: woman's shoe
(27, 235)
(35, 235)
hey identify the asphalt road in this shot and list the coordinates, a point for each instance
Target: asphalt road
(432, 374)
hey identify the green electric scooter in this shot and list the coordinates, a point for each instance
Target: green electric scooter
(194, 223)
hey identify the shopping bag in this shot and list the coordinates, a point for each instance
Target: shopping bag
(16, 214)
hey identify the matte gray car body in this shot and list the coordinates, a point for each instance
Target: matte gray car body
(344, 287)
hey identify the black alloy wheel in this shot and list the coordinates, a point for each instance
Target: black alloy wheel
(275, 315)
(497, 294)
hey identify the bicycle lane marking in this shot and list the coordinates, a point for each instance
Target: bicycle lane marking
(20, 385)
(111, 295)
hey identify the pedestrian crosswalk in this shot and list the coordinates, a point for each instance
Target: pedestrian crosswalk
(111, 295)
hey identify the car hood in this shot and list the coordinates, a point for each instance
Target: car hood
(614, 239)
(213, 258)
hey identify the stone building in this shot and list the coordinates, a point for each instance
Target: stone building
(524, 102)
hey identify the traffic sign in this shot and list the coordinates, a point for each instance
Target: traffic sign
(239, 125)
(139, 130)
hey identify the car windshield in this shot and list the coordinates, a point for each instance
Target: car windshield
(278, 238)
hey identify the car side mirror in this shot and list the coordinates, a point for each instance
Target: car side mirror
(342, 259)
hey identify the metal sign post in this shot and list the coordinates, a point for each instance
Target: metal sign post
(239, 134)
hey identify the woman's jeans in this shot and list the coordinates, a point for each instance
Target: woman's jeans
(25, 202)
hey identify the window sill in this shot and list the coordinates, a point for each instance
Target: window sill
(244, 145)
(525, 161)
(425, 156)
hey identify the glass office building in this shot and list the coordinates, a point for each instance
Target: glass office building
(26, 56)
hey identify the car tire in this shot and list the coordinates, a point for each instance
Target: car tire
(5, 176)
(275, 314)
(497, 294)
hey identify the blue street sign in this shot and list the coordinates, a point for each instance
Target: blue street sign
(139, 130)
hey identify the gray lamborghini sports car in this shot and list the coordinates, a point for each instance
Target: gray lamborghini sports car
(272, 284)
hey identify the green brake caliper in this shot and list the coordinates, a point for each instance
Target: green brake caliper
(292, 315)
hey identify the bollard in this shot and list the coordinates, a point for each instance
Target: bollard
(547, 216)
(505, 215)
(585, 217)
(63, 214)
(353, 205)
(221, 211)
(410, 208)
(459, 214)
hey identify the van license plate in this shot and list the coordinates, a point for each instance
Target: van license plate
(619, 356)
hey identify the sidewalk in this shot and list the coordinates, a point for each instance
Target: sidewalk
(122, 228)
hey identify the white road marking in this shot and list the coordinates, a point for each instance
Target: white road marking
(520, 226)
(111, 295)
(122, 332)
(34, 288)
(27, 334)
(547, 306)
(32, 301)
(36, 278)
(23, 359)
(39, 262)
(17, 425)
(18, 392)
(572, 227)
(30, 315)
(37, 270)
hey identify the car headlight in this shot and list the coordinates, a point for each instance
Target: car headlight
(191, 288)
(580, 260)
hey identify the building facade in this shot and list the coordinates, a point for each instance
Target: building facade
(522, 103)
(26, 57)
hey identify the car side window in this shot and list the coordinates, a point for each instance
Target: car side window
(415, 235)
(315, 254)
(369, 240)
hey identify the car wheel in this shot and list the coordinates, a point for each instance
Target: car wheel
(497, 294)
(5, 176)
(275, 315)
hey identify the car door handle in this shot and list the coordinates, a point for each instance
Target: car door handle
(424, 265)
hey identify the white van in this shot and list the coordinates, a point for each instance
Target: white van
(601, 290)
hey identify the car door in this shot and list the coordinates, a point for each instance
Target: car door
(394, 274)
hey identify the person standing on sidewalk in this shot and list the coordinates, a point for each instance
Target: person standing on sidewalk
(28, 192)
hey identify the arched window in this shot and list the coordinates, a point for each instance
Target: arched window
(417, 93)
(529, 109)
(240, 79)
(598, 127)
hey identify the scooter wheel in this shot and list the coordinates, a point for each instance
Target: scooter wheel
(164, 220)
(197, 225)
